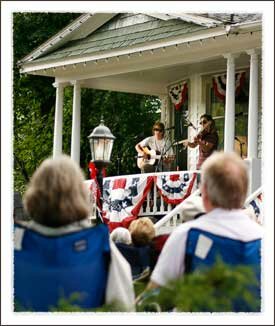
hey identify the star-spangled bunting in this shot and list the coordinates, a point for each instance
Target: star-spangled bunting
(219, 84)
(176, 187)
(122, 199)
(256, 204)
(178, 94)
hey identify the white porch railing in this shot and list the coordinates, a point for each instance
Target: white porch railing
(173, 215)
(254, 204)
(253, 196)
(174, 218)
(154, 203)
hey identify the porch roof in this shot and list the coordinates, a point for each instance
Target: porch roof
(104, 32)
(119, 33)
(143, 53)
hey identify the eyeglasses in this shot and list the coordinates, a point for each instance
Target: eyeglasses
(157, 129)
(203, 122)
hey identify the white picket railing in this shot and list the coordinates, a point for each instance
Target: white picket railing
(173, 218)
(154, 204)
(170, 215)
(256, 209)
(253, 196)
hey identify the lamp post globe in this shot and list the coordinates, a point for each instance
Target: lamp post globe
(101, 143)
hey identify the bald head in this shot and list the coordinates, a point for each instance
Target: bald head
(224, 180)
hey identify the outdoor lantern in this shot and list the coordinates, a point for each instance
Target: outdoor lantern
(101, 143)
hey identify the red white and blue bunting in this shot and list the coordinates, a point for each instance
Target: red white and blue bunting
(122, 199)
(256, 205)
(176, 187)
(219, 84)
(178, 94)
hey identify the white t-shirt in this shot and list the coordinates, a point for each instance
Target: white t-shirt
(233, 224)
(162, 145)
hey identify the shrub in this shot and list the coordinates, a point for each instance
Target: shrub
(221, 288)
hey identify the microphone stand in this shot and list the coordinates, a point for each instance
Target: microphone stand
(163, 152)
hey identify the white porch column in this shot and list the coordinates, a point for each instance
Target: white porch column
(164, 109)
(229, 121)
(252, 151)
(75, 141)
(58, 120)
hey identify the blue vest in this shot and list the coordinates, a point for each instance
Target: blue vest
(48, 268)
(232, 252)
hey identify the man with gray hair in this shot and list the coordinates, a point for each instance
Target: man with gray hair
(224, 226)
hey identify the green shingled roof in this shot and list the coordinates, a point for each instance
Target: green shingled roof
(113, 35)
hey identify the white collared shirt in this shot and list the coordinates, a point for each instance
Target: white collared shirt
(233, 224)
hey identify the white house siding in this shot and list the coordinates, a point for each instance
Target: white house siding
(260, 121)
(260, 111)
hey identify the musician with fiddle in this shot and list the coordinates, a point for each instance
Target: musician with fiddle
(207, 139)
(155, 153)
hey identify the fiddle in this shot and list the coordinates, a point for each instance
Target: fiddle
(205, 130)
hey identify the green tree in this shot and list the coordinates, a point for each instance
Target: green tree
(129, 116)
(33, 96)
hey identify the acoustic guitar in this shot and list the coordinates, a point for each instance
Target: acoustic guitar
(154, 157)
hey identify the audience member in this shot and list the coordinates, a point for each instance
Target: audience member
(140, 253)
(121, 235)
(142, 231)
(59, 252)
(224, 189)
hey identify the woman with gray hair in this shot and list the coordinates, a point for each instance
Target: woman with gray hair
(59, 253)
(121, 235)
(56, 195)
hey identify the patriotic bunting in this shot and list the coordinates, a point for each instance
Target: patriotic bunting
(178, 94)
(176, 187)
(256, 204)
(219, 84)
(122, 199)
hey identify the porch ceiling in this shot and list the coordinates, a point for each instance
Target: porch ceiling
(155, 81)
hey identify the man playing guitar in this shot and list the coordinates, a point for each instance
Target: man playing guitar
(155, 153)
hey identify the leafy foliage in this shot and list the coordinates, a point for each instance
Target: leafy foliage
(70, 305)
(218, 289)
(33, 96)
(129, 116)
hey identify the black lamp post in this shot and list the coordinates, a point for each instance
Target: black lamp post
(101, 143)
